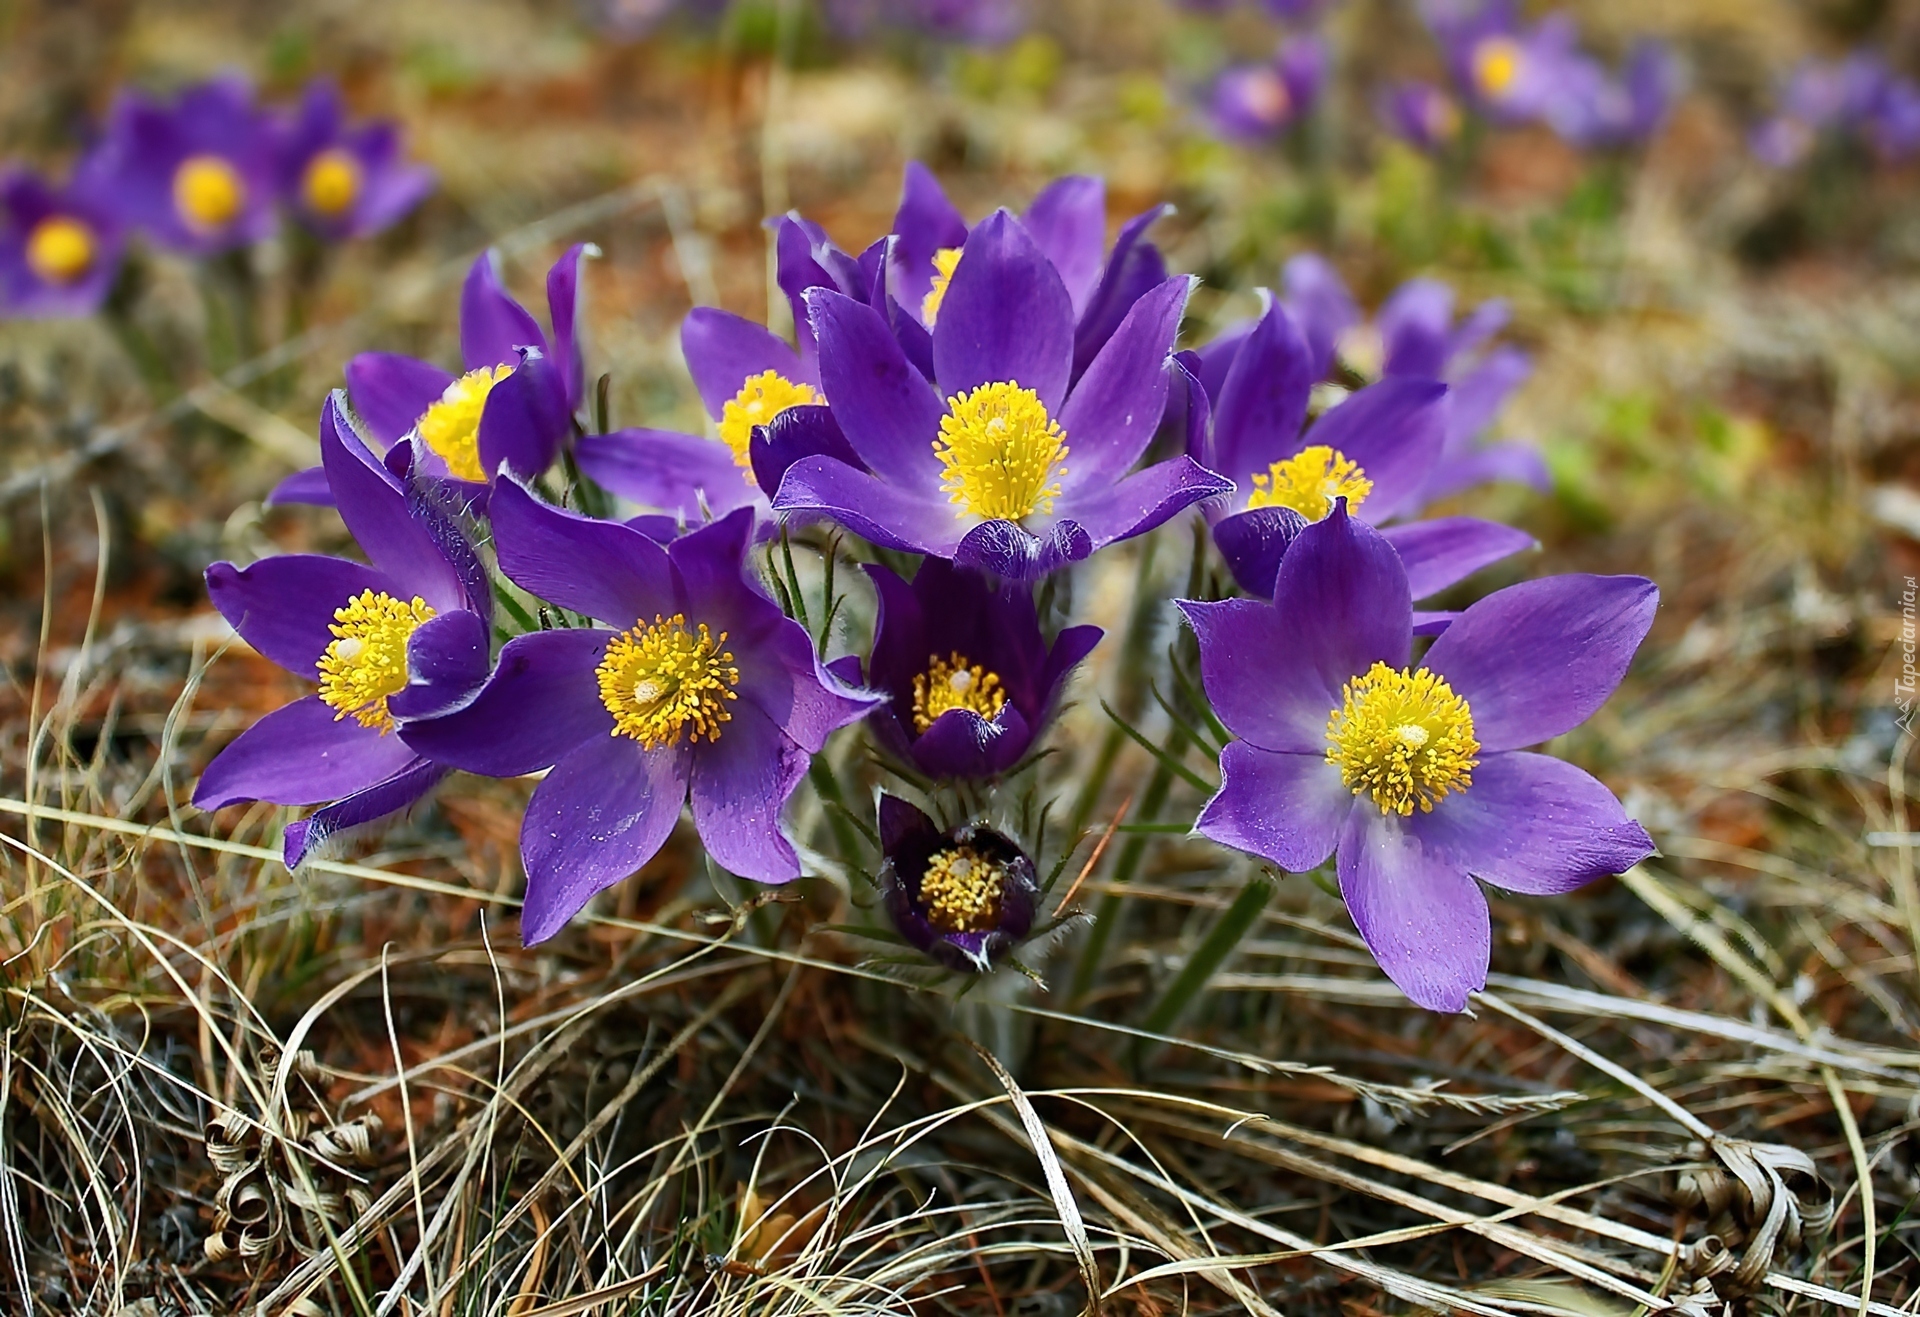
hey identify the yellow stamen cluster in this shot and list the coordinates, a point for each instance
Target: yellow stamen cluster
(208, 192)
(1000, 453)
(962, 890)
(451, 427)
(1403, 738)
(945, 262)
(761, 398)
(367, 660)
(1309, 482)
(954, 683)
(1496, 65)
(658, 680)
(331, 182)
(60, 249)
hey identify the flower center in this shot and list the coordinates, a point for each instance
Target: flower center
(1402, 737)
(1264, 97)
(1000, 453)
(367, 660)
(761, 398)
(451, 427)
(1443, 118)
(60, 249)
(945, 262)
(1496, 65)
(658, 679)
(962, 890)
(953, 683)
(208, 192)
(331, 183)
(1309, 482)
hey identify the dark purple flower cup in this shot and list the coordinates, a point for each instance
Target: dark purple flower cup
(1416, 778)
(965, 897)
(339, 179)
(60, 248)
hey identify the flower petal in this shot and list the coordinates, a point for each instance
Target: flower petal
(598, 817)
(1394, 430)
(1321, 306)
(300, 754)
(1287, 808)
(1133, 267)
(1479, 395)
(1516, 463)
(1447, 550)
(1258, 678)
(795, 433)
(1117, 405)
(563, 302)
(1346, 591)
(524, 419)
(1421, 916)
(1141, 501)
(540, 705)
(493, 327)
(448, 661)
(925, 222)
(1537, 659)
(412, 547)
(368, 805)
(1006, 316)
(724, 350)
(1262, 403)
(1014, 553)
(870, 507)
(960, 743)
(1068, 221)
(684, 474)
(1414, 328)
(308, 487)
(740, 783)
(886, 408)
(390, 393)
(283, 606)
(600, 569)
(1254, 543)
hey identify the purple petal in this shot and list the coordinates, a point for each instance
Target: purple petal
(1014, 553)
(283, 606)
(869, 507)
(390, 393)
(1262, 404)
(1518, 463)
(724, 350)
(886, 408)
(1188, 406)
(308, 486)
(1345, 591)
(602, 813)
(1134, 266)
(1070, 648)
(1287, 808)
(1421, 916)
(1394, 429)
(1481, 324)
(368, 805)
(1321, 306)
(1217, 357)
(960, 743)
(925, 223)
(1006, 316)
(1117, 405)
(686, 475)
(493, 327)
(1537, 659)
(1535, 824)
(1257, 678)
(1433, 622)
(795, 433)
(600, 569)
(1142, 501)
(412, 549)
(1439, 553)
(448, 661)
(563, 301)
(900, 822)
(1068, 220)
(541, 704)
(300, 754)
(740, 783)
(524, 420)
(1479, 395)
(1253, 544)
(1414, 328)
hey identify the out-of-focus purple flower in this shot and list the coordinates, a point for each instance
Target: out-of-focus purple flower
(630, 20)
(1416, 779)
(197, 175)
(983, 22)
(1505, 70)
(969, 679)
(406, 637)
(1373, 453)
(984, 478)
(1257, 102)
(1893, 129)
(1590, 109)
(59, 247)
(1859, 95)
(696, 685)
(964, 897)
(344, 180)
(1421, 115)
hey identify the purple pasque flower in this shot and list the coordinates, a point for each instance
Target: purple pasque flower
(404, 637)
(1416, 778)
(1421, 115)
(984, 22)
(196, 175)
(1257, 102)
(965, 897)
(339, 179)
(59, 247)
(1591, 109)
(1016, 473)
(1372, 453)
(694, 684)
(1067, 222)
(1859, 95)
(1505, 70)
(970, 680)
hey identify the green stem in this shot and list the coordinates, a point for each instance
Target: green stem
(1107, 915)
(1227, 933)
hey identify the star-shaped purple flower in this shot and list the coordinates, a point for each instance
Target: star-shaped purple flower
(1258, 102)
(964, 897)
(339, 179)
(403, 638)
(969, 678)
(1417, 778)
(1015, 473)
(60, 248)
(1507, 71)
(696, 685)
(1421, 115)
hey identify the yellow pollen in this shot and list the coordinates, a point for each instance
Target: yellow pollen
(962, 890)
(331, 183)
(60, 249)
(1496, 65)
(1000, 453)
(1309, 482)
(367, 660)
(1403, 738)
(945, 262)
(761, 398)
(451, 427)
(657, 680)
(208, 192)
(954, 683)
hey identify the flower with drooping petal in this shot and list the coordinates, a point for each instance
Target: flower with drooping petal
(1016, 473)
(196, 175)
(965, 897)
(59, 247)
(693, 684)
(1375, 450)
(404, 637)
(339, 179)
(1417, 778)
(1421, 115)
(970, 680)
(1257, 102)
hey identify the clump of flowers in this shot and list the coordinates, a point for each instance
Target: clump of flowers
(1858, 98)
